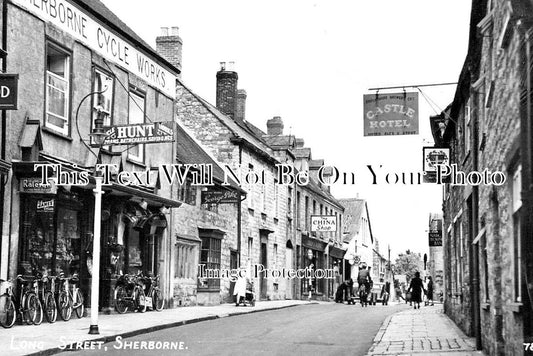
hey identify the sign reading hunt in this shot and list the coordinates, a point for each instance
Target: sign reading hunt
(155, 132)
(74, 21)
(390, 114)
(8, 91)
(220, 197)
(323, 223)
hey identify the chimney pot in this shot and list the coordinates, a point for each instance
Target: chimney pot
(169, 46)
(275, 126)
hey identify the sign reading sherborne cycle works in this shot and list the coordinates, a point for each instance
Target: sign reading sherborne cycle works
(390, 114)
(84, 28)
(156, 132)
(323, 223)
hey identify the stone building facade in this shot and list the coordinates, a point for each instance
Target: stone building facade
(487, 226)
(69, 81)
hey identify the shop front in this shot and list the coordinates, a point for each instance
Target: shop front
(313, 258)
(56, 232)
(336, 258)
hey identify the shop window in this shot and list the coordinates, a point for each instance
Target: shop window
(103, 101)
(57, 89)
(210, 257)
(50, 237)
(136, 116)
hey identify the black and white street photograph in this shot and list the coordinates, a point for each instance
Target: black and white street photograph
(250, 177)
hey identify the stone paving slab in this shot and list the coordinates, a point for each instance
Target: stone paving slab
(425, 331)
(47, 339)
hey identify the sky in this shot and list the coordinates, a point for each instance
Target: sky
(311, 62)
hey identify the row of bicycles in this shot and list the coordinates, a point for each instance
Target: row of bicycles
(39, 298)
(138, 293)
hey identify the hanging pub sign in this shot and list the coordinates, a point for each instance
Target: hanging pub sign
(432, 156)
(8, 91)
(323, 223)
(132, 134)
(220, 197)
(390, 114)
(435, 233)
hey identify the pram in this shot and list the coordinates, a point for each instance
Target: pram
(248, 298)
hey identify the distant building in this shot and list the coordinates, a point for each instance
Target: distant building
(435, 264)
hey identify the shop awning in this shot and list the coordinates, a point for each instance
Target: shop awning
(336, 252)
(150, 198)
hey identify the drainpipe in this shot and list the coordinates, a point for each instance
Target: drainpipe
(239, 219)
(4, 126)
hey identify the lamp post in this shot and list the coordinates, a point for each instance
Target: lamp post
(99, 136)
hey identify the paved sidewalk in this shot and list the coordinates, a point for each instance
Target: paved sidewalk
(47, 339)
(424, 331)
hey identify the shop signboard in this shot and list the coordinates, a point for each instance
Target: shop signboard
(390, 114)
(8, 91)
(435, 233)
(323, 223)
(45, 206)
(220, 197)
(34, 185)
(73, 20)
(132, 134)
(432, 156)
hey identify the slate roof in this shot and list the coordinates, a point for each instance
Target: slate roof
(190, 152)
(104, 14)
(286, 141)
(353, 211)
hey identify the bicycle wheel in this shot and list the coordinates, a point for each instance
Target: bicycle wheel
(50, 307)
(157, 300)
(30, 308)
(121, 302)
(39, 311)
(140, 299)
(8, 314)
(79, 307)
(64, 305)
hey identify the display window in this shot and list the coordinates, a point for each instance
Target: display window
(50, 241)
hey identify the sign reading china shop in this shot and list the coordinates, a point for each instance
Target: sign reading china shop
(323, 223)
(84, 28)
(156, 132)
(390, 114)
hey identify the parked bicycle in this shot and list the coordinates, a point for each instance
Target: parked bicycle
(154, 296)
(45, 290)
(29, 306)
(129, 294)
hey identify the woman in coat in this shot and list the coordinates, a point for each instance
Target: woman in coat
(416, 288)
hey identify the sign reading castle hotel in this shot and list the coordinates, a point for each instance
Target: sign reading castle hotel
(72, 20)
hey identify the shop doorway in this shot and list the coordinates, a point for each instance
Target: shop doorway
(289, 253)
(263, 260)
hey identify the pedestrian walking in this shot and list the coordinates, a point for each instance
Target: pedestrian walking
(416, 287)
(430, 291)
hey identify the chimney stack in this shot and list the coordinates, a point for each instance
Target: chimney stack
(227, 89)
(299, 142)
(169, 45)
(241, 105)
(275, 126)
